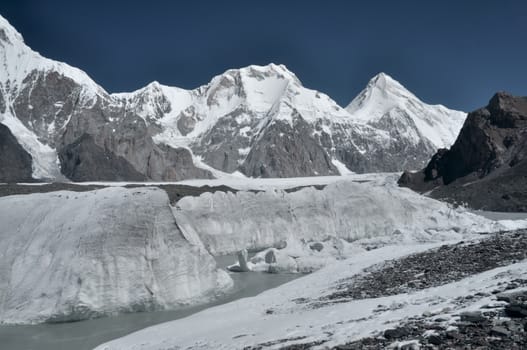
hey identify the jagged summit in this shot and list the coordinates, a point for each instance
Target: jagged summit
(381, 94)
(256, 72)
(271, 69)
(385, 101)
(384, 81)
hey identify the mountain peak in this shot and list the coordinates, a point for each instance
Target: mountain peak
(262, 72)
(381, 94)
(17, 61)
(384, 98)
(385, 82)
(8, 33)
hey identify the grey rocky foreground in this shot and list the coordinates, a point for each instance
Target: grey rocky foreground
(499, 325)
(432, 268)
(493, 328)
(496, 328)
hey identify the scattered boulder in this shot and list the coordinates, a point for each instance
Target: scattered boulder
(396, 333)
(473, 317)
(516, 303)
(516, 310)
(499, 331)
(434, 339)
(316, 246)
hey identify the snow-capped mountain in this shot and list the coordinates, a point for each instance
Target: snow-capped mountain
(388, 105)
(259, 120)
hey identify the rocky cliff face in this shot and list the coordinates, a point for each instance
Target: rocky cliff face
(258, 120)
(15, 162)
(486, 165)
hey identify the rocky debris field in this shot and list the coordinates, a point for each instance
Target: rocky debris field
(446, 264)
(500, 324)
(495, 327)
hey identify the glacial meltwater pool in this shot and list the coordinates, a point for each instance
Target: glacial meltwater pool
(88, 334)
(497, 215)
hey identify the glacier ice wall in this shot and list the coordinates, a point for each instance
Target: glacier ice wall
(376, 213)
(69, 256)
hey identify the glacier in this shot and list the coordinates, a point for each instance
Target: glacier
(372, 212)
(69, 256)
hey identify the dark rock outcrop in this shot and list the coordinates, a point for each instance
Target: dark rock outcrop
(60, 112)
(15, 162)
(83, 160)
(486, 167)
(288, 151)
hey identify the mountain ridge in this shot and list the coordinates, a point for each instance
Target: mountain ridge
(258, 120)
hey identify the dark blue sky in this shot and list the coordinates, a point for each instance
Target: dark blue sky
(457, 53)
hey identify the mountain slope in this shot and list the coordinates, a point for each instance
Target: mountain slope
(387, 105)
(486, 166)
(258, 120)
